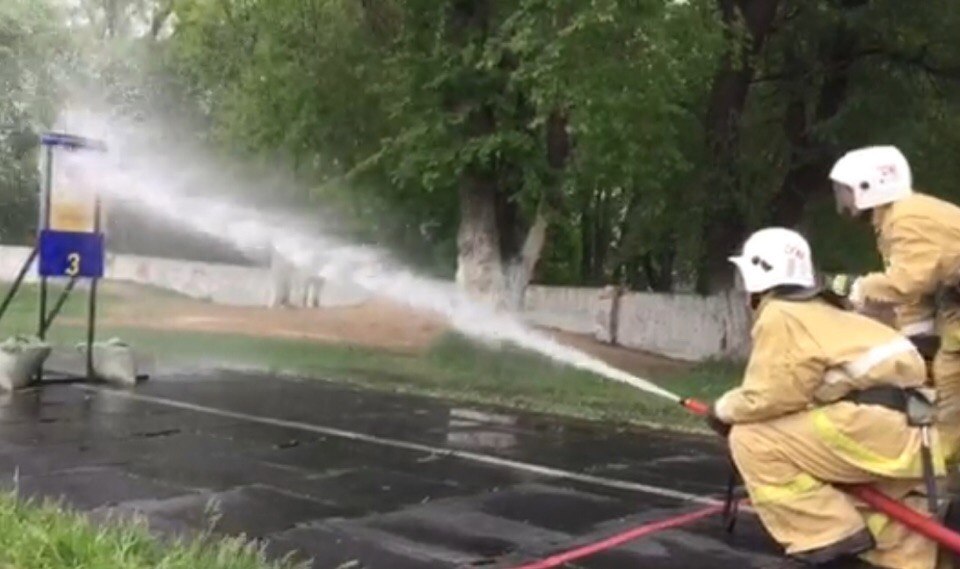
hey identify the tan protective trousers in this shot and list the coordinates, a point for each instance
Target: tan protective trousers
(946, 379)
(787, 470)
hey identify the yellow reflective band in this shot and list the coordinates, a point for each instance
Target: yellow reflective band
(878, 354)
(876, 523)
(776, 493)
(951, 337)
(907, 464)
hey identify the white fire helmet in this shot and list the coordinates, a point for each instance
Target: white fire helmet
(870, 177)
(773, 257)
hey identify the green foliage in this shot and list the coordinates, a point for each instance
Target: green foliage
(384, 97)
(634, 77)
(389, 108)
(28, 54)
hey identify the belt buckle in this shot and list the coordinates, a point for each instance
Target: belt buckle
(921, 406)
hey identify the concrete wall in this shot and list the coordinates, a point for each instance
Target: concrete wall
(219, 283)
(564, 308)
(681, 326)
(685, 327)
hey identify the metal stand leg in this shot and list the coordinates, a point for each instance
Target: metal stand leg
(92, 304)
(58, 305)
(91, 328)
(17, 282)
(43, 223)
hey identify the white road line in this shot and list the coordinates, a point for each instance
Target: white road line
(417, 447)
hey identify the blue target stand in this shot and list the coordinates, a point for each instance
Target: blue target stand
(72, 249)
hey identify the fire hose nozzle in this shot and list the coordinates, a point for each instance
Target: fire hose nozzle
(695, 407)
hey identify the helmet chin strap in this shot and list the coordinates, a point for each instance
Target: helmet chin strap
(801, 294)
(785, 292)
(795, 292)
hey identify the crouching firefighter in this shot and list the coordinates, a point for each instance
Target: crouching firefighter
(829, 397)
(919, 239)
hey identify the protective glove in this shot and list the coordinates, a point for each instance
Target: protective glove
(846, 286)
(856, 297)
(716, 424)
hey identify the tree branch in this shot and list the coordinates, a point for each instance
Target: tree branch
(919, 60)
(160, 17)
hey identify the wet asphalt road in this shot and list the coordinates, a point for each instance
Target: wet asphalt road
(351, 478)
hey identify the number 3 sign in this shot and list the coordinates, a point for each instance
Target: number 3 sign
(71, 254)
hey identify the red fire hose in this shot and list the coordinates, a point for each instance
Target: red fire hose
(906, 515)
(920, 523)
(619, 539)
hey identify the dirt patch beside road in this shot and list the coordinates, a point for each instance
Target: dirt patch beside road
(375, 324)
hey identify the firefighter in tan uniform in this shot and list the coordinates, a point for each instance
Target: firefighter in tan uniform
(919, 239)
(823, 402)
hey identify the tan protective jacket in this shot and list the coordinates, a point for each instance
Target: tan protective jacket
(806, 356)
(919, 240)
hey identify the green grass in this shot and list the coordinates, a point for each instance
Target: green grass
(46, 536)
(454, 368)
(519, 379)
(22, 313)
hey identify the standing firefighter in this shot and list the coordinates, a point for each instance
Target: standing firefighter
(824, 401)
(919, 240)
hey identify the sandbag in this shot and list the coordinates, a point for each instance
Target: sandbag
(20, 359)
(114, 361)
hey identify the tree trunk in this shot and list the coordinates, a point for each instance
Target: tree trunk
(725, 228)
(586, 238)
(161, 15)
(519, 271)
(600, 239)
(521, 261)
(811, 159)
(479, 259)
(632, 275)
(487, 270)
(382, 18)
(479, 262)
(498, 249)
(659, 269)
(112, 17)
